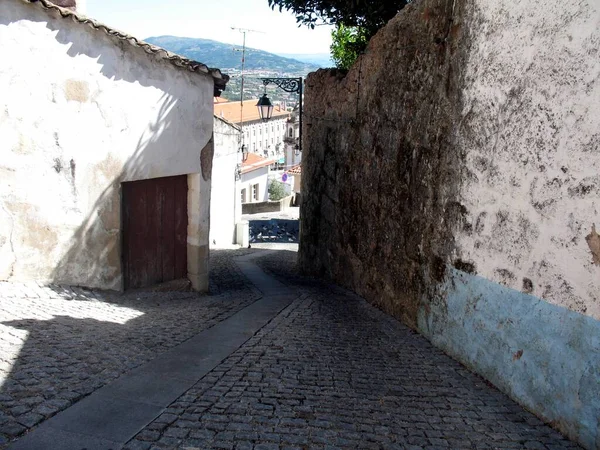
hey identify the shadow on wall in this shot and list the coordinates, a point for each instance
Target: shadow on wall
(100, 232)
(93, 257)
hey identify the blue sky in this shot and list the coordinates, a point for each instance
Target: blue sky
(212, 20)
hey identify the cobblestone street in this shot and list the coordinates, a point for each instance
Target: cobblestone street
(57, 344)
(329, 371)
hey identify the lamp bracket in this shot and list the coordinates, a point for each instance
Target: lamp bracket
(287, 84)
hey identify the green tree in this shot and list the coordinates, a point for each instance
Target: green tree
(364, 16)
(276, 190)
(347, 44)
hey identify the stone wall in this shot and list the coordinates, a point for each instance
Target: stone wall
(269, 206)
(81, 112)
(450, 177)
(380, 171)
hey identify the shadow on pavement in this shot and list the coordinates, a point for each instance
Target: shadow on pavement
(56, 350)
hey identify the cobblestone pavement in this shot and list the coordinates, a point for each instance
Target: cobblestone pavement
(59, 344)
(333, 372)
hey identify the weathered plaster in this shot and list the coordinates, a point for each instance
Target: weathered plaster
(198, 230)
(81, 113)
(529, 127)
(225, 203)
(451, 177)
(593, 241)
(543, 355)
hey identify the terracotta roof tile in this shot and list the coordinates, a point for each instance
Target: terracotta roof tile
(255, 161)
(296, 170)
(231, 111)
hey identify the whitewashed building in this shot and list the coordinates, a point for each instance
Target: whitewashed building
(293, 156)
(106, 145)
(254, 183)
(225, 203)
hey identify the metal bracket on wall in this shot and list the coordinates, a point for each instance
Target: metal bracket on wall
(287, 84)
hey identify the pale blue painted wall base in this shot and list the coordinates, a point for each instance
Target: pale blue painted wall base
(544, 356)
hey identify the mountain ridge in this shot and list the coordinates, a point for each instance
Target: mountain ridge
(227, 56)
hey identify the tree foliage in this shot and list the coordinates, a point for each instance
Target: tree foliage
(356, 20)
(276, 190)
(347, 44)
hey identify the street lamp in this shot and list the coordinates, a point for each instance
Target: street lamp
(265, 108)
(244, 151)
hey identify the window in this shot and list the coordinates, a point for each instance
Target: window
(243, 195)
(253, 132)
(291, 132)
(254, 192)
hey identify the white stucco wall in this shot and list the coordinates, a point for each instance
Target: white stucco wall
(259, 176)
(263, 137)
(531, 108)
(291, 159)
(225, 203)
(81, 112)
(528, 318)
(292, 133)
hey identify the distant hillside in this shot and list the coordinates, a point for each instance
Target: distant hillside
(223, 56)
(320, 59)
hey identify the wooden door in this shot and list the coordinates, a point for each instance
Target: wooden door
(154, 231)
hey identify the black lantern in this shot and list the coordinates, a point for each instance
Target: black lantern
(265, 108)
(244, 153)
(297, 150)
(293, 85)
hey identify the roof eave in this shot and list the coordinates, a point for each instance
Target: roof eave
(220, 79)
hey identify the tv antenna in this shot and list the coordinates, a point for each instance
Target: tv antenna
(243, 31)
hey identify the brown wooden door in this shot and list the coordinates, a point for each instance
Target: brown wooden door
(154, 231)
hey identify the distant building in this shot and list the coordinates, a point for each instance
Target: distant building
(254, 184)
(225, 207)
(291, 141)
(262, 138)
(295, 173)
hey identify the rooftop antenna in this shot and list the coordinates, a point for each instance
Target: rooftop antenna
(243, 31)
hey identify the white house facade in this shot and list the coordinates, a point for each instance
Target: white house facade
(293, 155)
(254, 184)
(225, 203)
(106, 145)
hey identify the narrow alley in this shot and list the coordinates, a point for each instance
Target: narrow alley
(292, 362)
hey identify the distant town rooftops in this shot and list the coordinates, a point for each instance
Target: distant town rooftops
(255, 161)
(296, 170)
(230, 111)
(181, 62)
